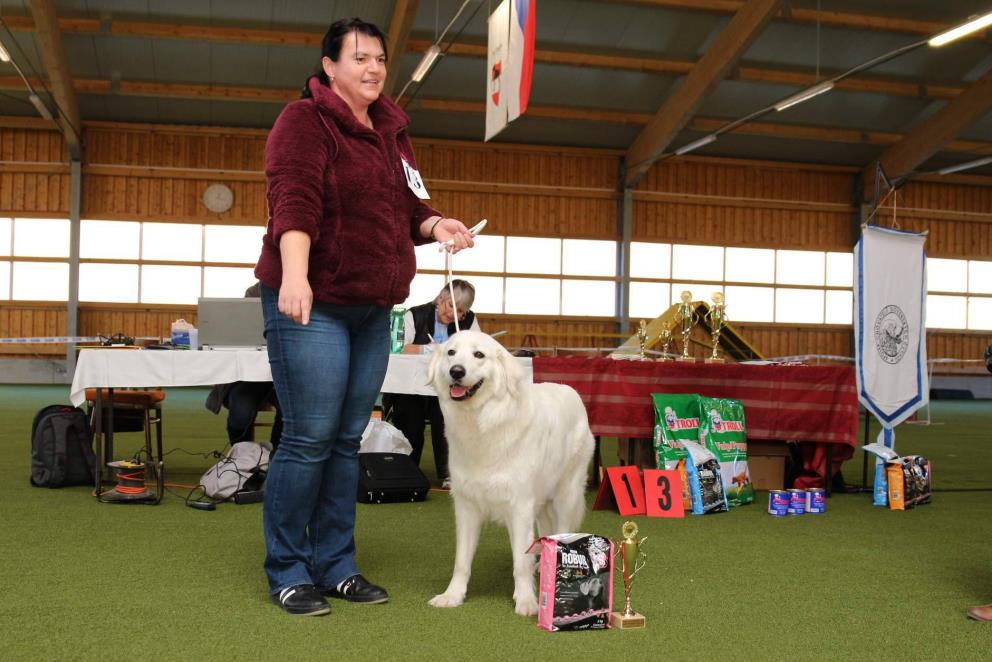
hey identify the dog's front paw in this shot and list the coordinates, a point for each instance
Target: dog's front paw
(447, 600)
(526, 606)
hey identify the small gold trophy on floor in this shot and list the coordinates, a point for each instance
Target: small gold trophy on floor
(686, 316)
(631, 562)
(717, 319)
(666, 340)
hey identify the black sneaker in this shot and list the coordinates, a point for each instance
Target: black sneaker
(358, 589)
(302, 600)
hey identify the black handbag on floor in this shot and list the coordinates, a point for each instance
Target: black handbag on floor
(390, 478)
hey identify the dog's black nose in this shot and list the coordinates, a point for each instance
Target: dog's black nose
(456, 372)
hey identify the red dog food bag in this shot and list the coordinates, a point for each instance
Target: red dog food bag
(576, 591)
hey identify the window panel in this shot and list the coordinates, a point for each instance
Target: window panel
(115, 283)
(424, 288)
(488, 254)
(697, 262)
(587, 257)
(232, 243)
(588, 297)
(751, 265)
(227, 281)
(532, 255)
(979, 277)
(840, 269)
(947, 275)
(945, 312)
(533, 296)
(172, 241)
(41, 237)
(4, 279)
(750, 304)
(649, 300)
(650, 260)
(799, 306)
(980, 313)
(699, 291)
(40, 281)
(115, 240)
(5, 225)
(488, 294)
(799, 268)
(840, 307)
(429, 257)
(162, 284)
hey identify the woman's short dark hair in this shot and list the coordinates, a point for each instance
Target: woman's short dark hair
(330, 45)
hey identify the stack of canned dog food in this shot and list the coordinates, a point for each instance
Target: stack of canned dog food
(797, 502)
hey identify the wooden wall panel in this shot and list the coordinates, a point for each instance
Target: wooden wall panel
(158, 173)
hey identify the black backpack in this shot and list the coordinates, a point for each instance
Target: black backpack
(61, 448)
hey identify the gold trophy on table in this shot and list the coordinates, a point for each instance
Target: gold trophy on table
(666, 340)
(631, 562)
(642, 339)
(716, 318)
(686, 316)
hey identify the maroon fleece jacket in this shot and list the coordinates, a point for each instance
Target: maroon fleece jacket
(343, 184)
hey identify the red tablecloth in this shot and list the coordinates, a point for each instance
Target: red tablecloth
(812, 404)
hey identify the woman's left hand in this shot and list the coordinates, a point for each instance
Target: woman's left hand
(454, 230)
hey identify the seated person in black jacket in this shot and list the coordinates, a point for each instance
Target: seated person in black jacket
(426, 325)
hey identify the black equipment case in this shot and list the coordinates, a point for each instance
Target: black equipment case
(390, 478)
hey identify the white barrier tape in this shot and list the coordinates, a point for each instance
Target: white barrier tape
(51, 339)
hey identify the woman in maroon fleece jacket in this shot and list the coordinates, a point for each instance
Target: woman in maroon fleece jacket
(337, 255)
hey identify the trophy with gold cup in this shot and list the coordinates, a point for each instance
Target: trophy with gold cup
(666, 340)
(716, 318)
(686, 317)
(642, 339)
(631, 562)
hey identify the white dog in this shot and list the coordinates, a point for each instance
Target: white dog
(518, 454)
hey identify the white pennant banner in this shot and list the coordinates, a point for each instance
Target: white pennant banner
(890, 323)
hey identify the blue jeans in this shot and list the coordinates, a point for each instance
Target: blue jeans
(327, 375)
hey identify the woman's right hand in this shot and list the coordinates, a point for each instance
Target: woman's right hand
(296, 299)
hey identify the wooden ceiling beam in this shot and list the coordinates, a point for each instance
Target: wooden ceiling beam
(400, 25)
(930, 136)
(665, 66)
(59, 80)
(708, 125)
(836, 19)
(732, 42)
(168, 90)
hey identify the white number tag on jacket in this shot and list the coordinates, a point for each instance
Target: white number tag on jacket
(414, 181)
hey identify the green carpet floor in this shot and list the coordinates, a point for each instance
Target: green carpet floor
(82, 580)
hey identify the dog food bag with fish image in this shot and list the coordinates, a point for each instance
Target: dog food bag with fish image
(576, 582)
(705, 482)
(723, 432)
(676, 419)
(908, 482)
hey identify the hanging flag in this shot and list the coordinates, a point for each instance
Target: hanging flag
(510, 65)
(890, 323)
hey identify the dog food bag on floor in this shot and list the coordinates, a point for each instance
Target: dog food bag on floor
(880, 496)
(676, 419)
(723, 432)
(705, 481)
(576, 591)
(908, 482)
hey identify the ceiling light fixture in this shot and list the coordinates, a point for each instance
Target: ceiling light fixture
(974, 25)
(968, 165)
(4, 55)
(426, 62)
(40, 106)
(805, 95)
(695, 144)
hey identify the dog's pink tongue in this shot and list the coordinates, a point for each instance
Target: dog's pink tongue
(458, 391)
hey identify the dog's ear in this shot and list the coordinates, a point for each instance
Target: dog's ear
(512, 372)
(433, 365)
